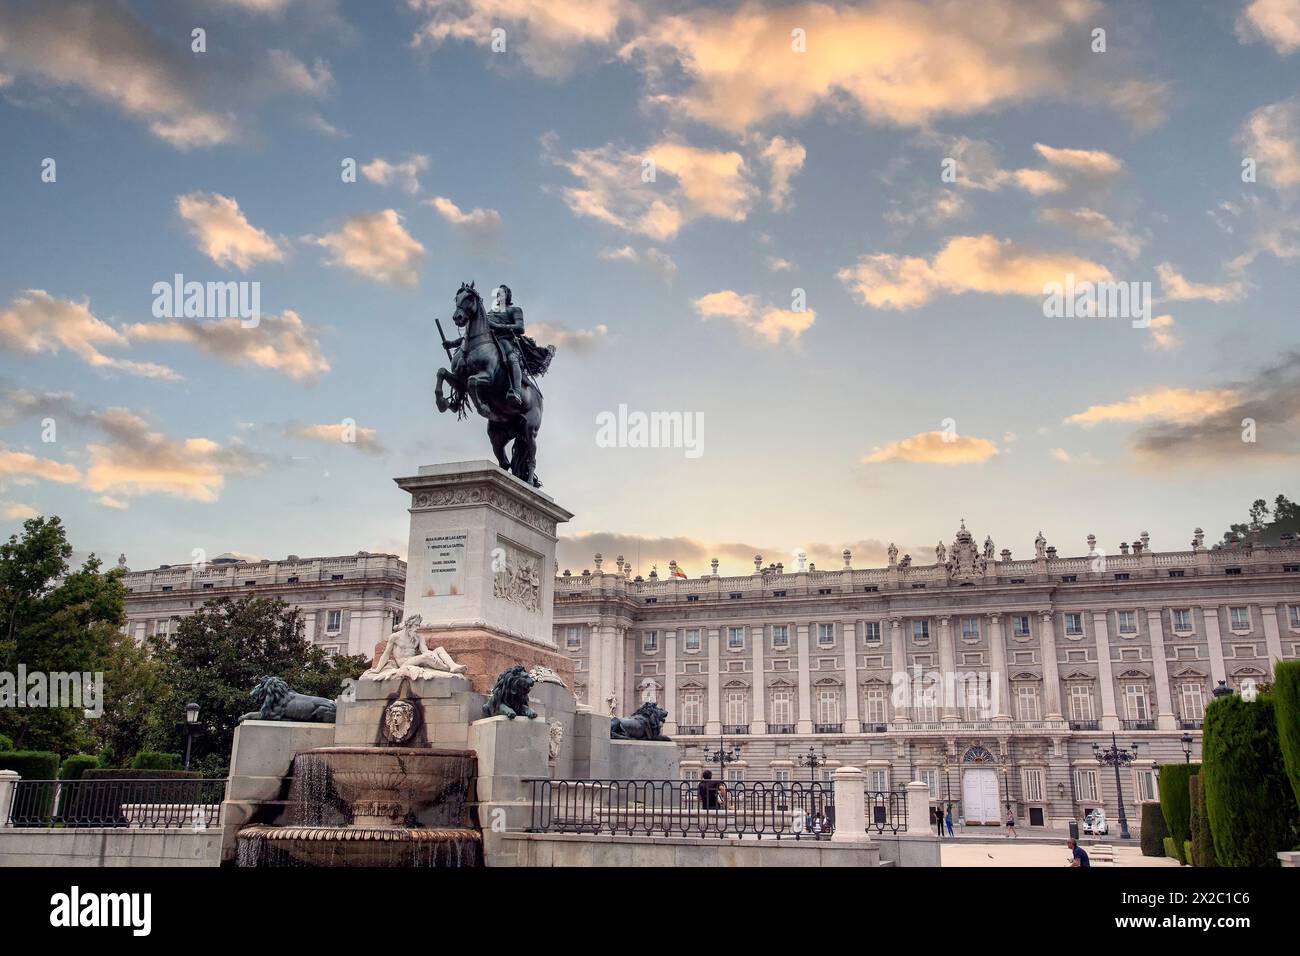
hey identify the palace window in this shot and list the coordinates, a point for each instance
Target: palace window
(880, 779)
(650, 693)
(1020, 625)
(691, 716)
(781, 776)
(573, 636)
(930, 777)
(875, 706)
(736, 638)
(650, 641)
(828, 705)
(1182, 618)
(825, 633)
(1135, 702)
(926, 700)
(1074, 624)
(1031, 781)
(693, 639)
(1085, 786)
(735, 775)
(970, 628)
(1027, 702)
(921, 630)
(1081, 702)
(333, 621)
(1240, 618)
(1128, 622)
(782, 706)
(1294, 615)
(873, 629)
(1191, 697)
(780, 635)
(1148, 785)
(974, 699)
(736, 709)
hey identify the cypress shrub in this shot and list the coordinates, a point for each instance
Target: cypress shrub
(1202, 843)
(74, 766)
(6, 743)
(1248, 798)
(153, 760)
(1286, 700)
(1171, 849)
(1175, 799)
(1154, 830)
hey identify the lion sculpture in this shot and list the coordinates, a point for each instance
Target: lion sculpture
(275, 701)
(646, 724)
(510, 695)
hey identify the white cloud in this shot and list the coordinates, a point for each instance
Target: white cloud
(1276, 22)
(1174, 287)
(16, 511)
(376, 246)
(1163, 336)
(1183, 406)
(965, 264)
(480, 225)
(561, 336)
(405, 174)
(37, 322)
(20, 467)
(1094, 225)
(224, 234)
(296, 76)
(282, 343)
(938, 448)
(1271, 136)
(766, 323)
(783, 158)
(356, 436)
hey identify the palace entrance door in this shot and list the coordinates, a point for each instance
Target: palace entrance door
(981, 801)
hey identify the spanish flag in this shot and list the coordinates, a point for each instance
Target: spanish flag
(679, 573)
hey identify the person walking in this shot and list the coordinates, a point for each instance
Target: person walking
(938, 820)
(1078, 856)
(948, 820)
(1011, 825)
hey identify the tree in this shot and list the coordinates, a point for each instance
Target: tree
(1285, 519)
(55, 622)
(215, 658)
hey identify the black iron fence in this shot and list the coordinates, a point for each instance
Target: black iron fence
(171, 803)
(691, 808)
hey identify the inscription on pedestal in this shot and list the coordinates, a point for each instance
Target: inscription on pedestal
(444, 568)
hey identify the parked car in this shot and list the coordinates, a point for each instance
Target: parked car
(1094, 824)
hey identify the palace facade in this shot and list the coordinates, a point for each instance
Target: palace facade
(988, 678)
(349, 602)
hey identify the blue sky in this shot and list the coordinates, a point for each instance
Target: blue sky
(776, 170)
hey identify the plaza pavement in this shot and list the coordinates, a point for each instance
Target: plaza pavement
(1003, 852)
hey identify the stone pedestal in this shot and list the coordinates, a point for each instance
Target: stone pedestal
(918, 807)
(446, 706)
(8, 784)
(850, 806)
(510, 752)
(644, 759)
(481, 568)
(261, 768)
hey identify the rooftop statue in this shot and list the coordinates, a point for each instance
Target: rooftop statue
(494, 367)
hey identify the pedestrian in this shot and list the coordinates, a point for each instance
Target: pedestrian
(948, 820)
(938, 819)
(1078, 857)
(712, 792)
(1011, 824)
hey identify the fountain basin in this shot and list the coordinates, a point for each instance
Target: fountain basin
(385, 786)
(271, 846)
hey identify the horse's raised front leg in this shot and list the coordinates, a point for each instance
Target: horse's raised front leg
(438, 397)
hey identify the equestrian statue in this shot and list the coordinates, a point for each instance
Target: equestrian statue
(495, 367)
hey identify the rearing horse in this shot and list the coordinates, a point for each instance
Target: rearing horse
(478, 374)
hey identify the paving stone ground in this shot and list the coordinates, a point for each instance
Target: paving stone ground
(1011, 853)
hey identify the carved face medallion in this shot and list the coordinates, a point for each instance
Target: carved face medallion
(399, 721)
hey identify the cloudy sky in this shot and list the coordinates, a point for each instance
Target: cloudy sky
(825, 228)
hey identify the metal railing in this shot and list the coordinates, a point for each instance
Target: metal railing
(171, 803)
(1139, 724)
(828, 728)
(780, 728)
(1188, 723)
(688, 808)
(690, 730)
(735, 730)
(1084, 725)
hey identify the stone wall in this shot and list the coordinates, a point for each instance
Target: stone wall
(108, 846)
(574, 849)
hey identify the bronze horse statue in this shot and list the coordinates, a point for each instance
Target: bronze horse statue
(479, 375)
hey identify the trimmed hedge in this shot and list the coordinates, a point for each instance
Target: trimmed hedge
(74, 766)
(1248, 798)
(153, 760)
(1202, 842)
(1286, 701)
(6, 743)
(1154, 830)
(1171, 850)
(1175, 799)
(31, 764)
(131, 773)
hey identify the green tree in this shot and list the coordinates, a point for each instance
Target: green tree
(55, 622)
(1285, 518)
(215, 658)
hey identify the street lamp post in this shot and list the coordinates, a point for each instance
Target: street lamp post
(1115, 757)
(812, 760)
(1187, 747)
(722, 756)
(191, 728)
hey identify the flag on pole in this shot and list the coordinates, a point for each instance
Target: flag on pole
(679, 573)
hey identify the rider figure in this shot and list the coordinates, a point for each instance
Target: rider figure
(507, 320)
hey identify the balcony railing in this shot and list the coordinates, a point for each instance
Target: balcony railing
(1085, 725)
(780, 728)
(169, 803)
(828, 728)
(1139, 725)
(875, 728)
(735, 730)
(690, 730)
(1185, 724)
